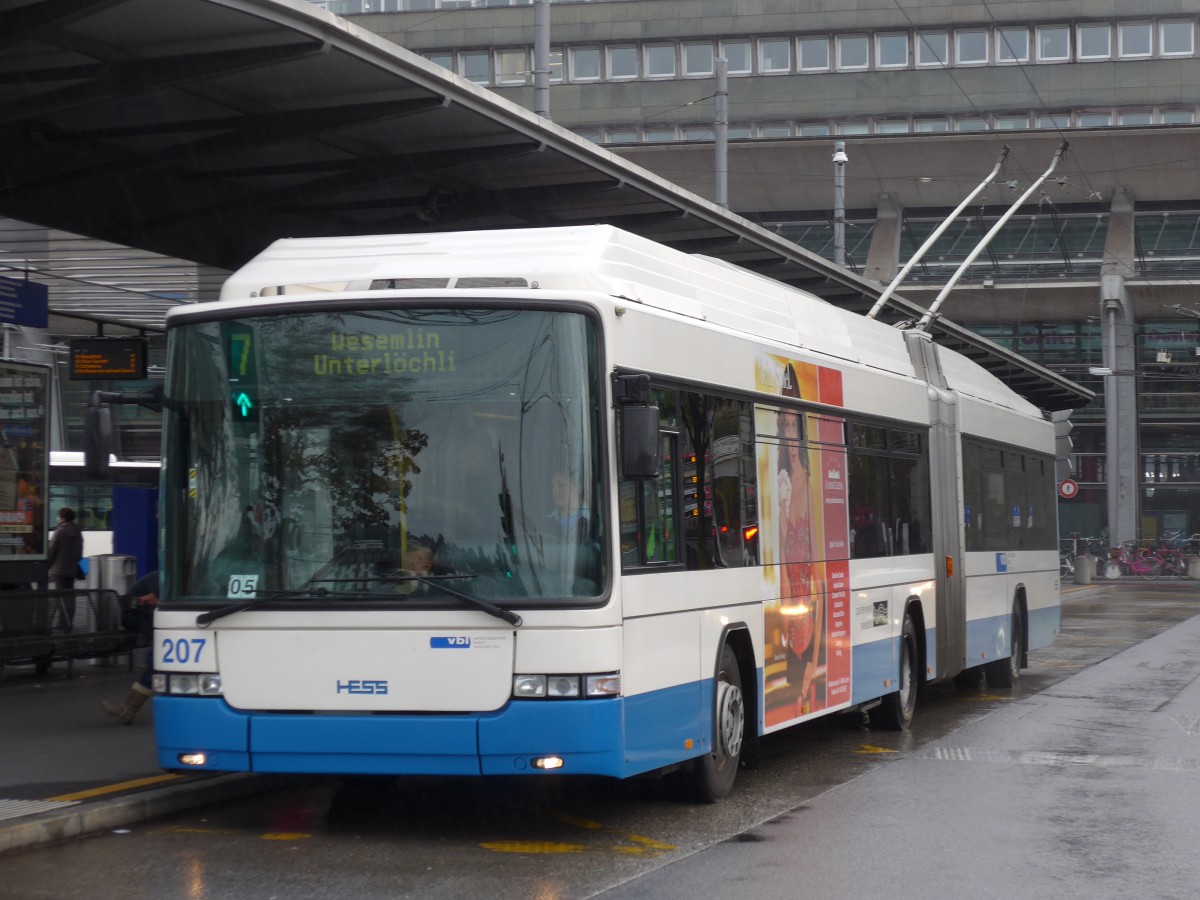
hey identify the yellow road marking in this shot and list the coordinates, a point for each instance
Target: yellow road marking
(285, 836)
(184, 829)
(984, 697)
(533, 847)
(641, 845)
(868, 748)
(115, 788)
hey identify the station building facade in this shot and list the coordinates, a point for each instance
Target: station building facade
(1093, 276)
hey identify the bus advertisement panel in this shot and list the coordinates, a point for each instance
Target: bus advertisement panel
(804, 538)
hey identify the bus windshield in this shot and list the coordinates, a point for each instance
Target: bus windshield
(384, 454)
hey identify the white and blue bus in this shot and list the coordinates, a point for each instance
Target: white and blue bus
(567, 501)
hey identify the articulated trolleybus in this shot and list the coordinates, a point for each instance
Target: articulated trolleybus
(566, 501)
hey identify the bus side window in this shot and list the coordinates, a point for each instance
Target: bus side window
(647, 514)
(658, 537)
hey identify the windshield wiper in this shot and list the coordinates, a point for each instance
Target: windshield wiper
(436, 582)
(258, 598)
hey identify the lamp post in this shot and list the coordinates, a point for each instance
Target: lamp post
(839, 202)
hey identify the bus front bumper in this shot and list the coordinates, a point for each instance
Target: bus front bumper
(206, 734)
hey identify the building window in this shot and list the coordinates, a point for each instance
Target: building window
(1178, 117)
(512, 66)
(475, 66)
(585, 63)
(1011, 123)
(698, 59)
(622, 62)
(778, 130)
(1133, 39)
(556, 65)
(1093, 42)
(738, 55)
(1012, 45)
(813, 53)
(705, 133)
(971, 125)
(738, 132)
(1054, 43)
(659, 135)
(812, 129)
(933, 48)
(1137, 118)
(971, 47)
(1056, 122)
(1095, 120)
(774, 55)
(852, 50)
(660, 61)
(1177, 38)
(854, 128)
(622, 136)
(896, 126)
(891, 51)
(445, 60)
(928, 126)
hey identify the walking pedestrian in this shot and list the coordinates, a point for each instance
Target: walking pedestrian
(145, 597)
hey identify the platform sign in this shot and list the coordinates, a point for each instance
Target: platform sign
(1067, 489)
(24, 303)
(24, 413)
(108, 359)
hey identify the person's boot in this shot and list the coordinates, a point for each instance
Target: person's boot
(128, 711)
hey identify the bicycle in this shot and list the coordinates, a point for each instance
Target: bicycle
(1126, 560)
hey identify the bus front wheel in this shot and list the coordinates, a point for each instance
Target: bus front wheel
(896, 710)
(710, 777)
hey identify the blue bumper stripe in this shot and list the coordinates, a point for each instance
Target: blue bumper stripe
(615, 737)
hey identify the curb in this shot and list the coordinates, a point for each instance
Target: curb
(100, 815)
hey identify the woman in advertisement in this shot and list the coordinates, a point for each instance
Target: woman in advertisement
(803, 619)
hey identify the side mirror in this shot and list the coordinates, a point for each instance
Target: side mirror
(97, 441)
(639, 442)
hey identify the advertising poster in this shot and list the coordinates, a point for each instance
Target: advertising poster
(804, 541)
(24, 412)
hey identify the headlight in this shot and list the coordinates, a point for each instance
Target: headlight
(566, 687)
(186, 684)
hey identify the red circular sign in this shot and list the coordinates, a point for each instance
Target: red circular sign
(1067, 489)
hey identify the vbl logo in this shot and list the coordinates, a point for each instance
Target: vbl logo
(362, 687)
(446, 642)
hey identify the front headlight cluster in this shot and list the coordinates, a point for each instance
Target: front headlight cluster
(187, 683)
(566, 687)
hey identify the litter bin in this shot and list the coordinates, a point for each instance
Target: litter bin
(113, 572)
(1085, 568)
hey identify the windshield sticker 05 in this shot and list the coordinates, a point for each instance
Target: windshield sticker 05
(411, 352)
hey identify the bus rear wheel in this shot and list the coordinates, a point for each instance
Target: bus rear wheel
(1004, 673)
(710, 777)
(896, 710)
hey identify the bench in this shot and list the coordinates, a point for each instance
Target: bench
(43, 627)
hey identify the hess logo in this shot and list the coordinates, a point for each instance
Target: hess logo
(362, 687)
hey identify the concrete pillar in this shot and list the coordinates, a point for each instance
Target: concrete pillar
(1120, 358)
(883, 257)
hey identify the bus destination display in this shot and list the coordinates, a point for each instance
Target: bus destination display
(113, 359)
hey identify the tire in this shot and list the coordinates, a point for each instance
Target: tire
(1005, 673)
(1150, 568)
(710, 778)
(896, 711)
(1065, 566)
